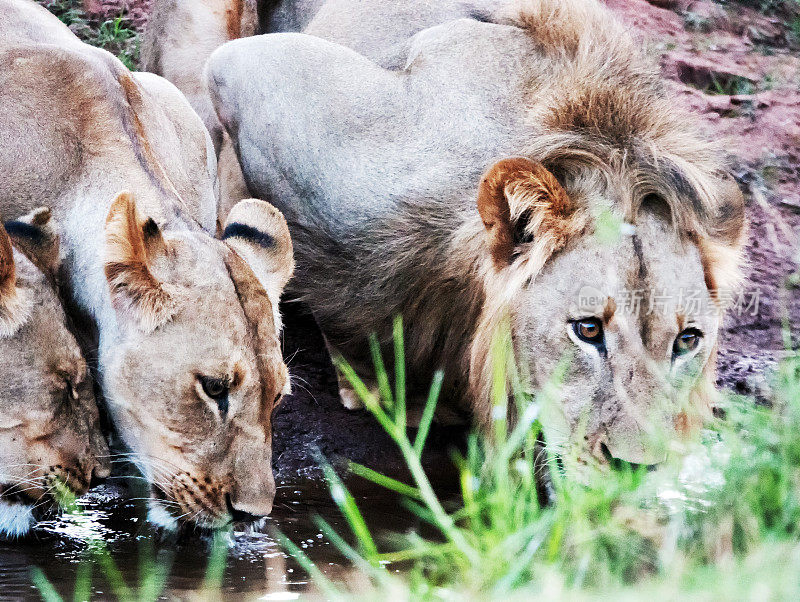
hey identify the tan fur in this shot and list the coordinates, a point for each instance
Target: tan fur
(180, 36)
(49, 427)
(519, 189)
(170, 306)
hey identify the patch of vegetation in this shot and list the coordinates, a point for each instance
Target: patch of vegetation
(787, 12)
(114, 35)
(771, 7)
(720, 520)
(732, 85)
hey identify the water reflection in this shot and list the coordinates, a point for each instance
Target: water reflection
(257, 568)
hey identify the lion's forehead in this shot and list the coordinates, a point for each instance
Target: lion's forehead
(638, 267)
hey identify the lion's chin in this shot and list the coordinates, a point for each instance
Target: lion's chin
(16, 519)
(160, 517)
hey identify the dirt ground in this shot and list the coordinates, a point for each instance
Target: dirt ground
(739, 69)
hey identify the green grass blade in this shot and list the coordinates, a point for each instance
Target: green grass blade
(399, 371)
(373, 569)
(217, 561)
(384, 481)
(330, 591)
(42, 583)
(427, 414)
(366, 396)
(420, 550)
(347, 505)
(381, 375)
(83, 580)
(518, 436)
(111, 571)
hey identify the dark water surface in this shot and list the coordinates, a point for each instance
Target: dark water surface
(257, 566)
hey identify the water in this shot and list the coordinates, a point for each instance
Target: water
(257, 567)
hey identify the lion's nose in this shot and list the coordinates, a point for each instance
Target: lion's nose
(619, 464)
(241, 516)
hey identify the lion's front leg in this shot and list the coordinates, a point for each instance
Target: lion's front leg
(347, 393)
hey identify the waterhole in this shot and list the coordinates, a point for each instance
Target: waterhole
(257, 567)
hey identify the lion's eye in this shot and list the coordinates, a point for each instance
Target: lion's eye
(686, 341)
(217, 389)
(589, 330)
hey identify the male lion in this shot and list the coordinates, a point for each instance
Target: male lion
(49, 426)
(491, 162)
(188, 352)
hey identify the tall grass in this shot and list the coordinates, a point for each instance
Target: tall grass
(709, 518)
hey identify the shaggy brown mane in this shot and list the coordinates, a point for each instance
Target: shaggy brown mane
(607, 125)
(608, 129)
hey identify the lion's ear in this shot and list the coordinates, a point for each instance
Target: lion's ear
(14, 305)
(520, 201)
(258, 232)
(8, 270)
(722, 245)
(133, 243)
(36, 235)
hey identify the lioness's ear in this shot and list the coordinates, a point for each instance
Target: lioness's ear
(36, 235)
(258, 232)
(8, 270)
(132, 245)
(520, 201)
(14, 307)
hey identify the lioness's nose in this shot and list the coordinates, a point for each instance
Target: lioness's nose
(243, 516)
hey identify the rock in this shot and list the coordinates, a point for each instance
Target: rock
(712, 12)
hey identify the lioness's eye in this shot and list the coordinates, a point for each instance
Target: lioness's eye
(589, 330)
(215, 388)
(686, 341)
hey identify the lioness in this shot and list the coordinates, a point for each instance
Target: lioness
(188, 328)
(49, 427)
(180, 36)
(491, 162)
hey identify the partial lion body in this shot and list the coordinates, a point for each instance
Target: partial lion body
(129, 171)
(374, 151)
(49, 423)
(181, 35)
